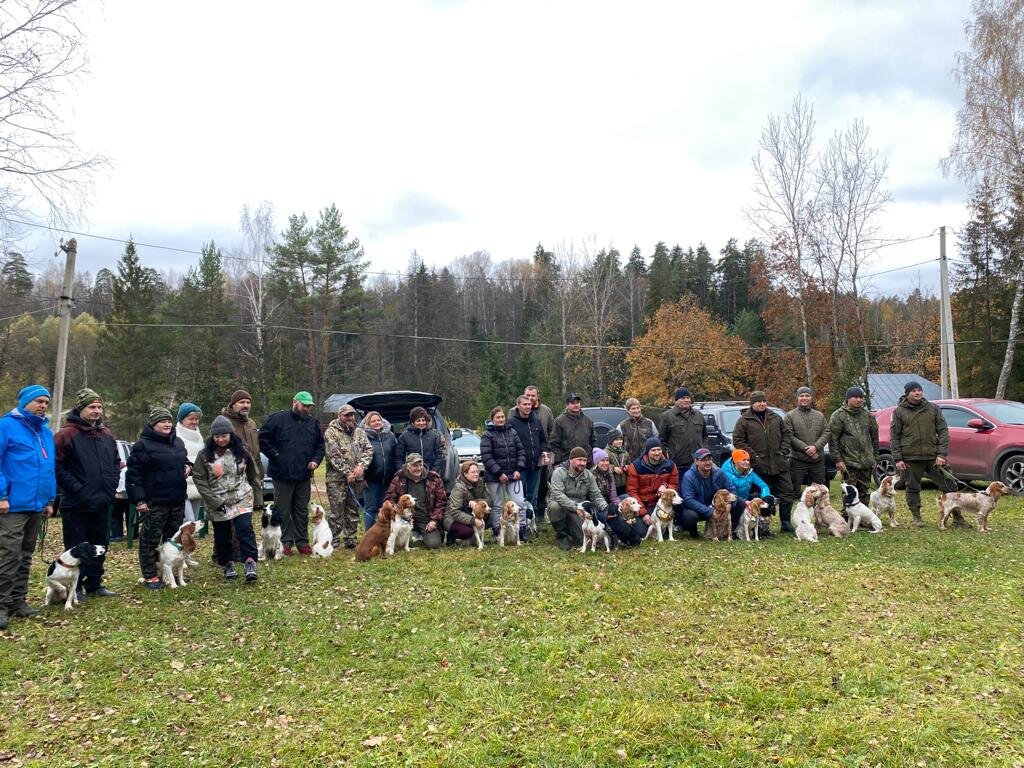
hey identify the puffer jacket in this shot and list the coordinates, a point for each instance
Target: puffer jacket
(853, 437)
(88, 465)
(682, 433)
(697, 491)
(382, 465)
(437, 499)
(572, 430)
(744, 482)
(531, 434)
(291, 442)
(918, 432)
(568, 490)
(27, 477)
(236, 491)
(807, 426)
(345, 451)
(501, 452)
(426, 442)
(768, 442)
(635, 433)
(462, 494)
(643, 480)
(156, 469)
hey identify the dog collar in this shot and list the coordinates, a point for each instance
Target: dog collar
(985, 492)
(174, 544)
(66, 565)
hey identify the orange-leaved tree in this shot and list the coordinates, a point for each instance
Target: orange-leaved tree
(684, 345)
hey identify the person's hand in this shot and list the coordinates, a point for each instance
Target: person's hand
(431, 526)
(841, 466)
(503, 478)
(516, 475)
(357, 473)
(646, 519)
(617, 470)
(580, 513)
(811, 451)
(902, 466)
(188, 470)
(49, 510)
(312, 465)
(940, 461)
(5, 507)
(142, 507)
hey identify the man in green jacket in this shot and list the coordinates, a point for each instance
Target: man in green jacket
(853, 441)
(808, 437)
(571, 485)
(682, 430)
(766, 436)
(572, 427)
(919, 439)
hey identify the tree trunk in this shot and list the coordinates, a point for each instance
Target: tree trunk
(1011, 336)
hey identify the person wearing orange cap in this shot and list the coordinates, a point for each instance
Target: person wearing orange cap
(737, 468)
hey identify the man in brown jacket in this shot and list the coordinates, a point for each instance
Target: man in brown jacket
(809, 436)
(767, 438)
(237, 412)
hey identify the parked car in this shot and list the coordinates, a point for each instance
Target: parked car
(607, 418)
(467, 444)
(720, 418)
(268, 481)
(986, 440)
(394, 407)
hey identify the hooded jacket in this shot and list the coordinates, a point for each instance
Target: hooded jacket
(768, 442)
(501, 452)
(853, 437)
(744, 482)
(697, 491)
(88, 465)
(382, 463)
(682, 433)
(248, 433)
(568, 490)
(426, 442)
(571, 430)
(228, 494)
(457, 509)
(290, 442)
(156, 469)
(635, 433)
(918, 432)
(27, 474)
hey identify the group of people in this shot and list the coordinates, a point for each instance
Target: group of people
(546, 464)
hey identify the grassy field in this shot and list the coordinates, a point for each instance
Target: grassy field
(899, 649)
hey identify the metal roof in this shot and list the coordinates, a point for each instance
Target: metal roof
(886, 389)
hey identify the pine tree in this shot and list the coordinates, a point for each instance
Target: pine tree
(16, 279)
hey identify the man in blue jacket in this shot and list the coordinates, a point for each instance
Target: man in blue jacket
(28, 486)
(697, 487)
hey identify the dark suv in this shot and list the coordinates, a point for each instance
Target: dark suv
(720, 419)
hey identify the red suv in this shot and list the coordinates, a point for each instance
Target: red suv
(986, 440)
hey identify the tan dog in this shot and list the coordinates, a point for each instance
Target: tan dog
(803, 514)
(981, 503)
(629, 510)
(509, 530)
(374, 540)
(750, 519)
(719, 527)
(401, 525)
(825, 515)
(883, 500)
(663, 514)
(481, 514)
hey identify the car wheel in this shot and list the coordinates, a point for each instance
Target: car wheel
(885, 466)
(1011, 473)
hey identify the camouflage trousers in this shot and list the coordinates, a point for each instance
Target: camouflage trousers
(344, 514)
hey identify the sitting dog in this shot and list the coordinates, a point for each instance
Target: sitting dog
(663, 514)
(173, 554)
(982, 503)
(323, 545)
(719, 527)
(826, 515)
(857, 512)
(63, 574)
(508, 533)
(803, 514)
(270, 538)
(374, 540)
(531, 522)
(401, 526)
(481, 514)
(883, 499)
(750, 520)
(594, 531)
(630, 509)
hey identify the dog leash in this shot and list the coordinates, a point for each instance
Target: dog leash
(42, 537)
(355, 498)
(948, 475)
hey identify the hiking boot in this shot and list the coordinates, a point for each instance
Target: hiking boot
(787, 527)
(4, 621)
(250, 570)
(229, 572)
(80, 594)
(917, 522)
(25, 611)
(288, 550)
(305, 549)
(103, 592)
(565, 544)
(154, 583)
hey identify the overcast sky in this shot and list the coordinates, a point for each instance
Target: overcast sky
(452, 127)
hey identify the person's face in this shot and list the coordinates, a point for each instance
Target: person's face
(92, 412)
(704, 465)
(375, 422)
(192, 420)
(534, 396)
(578, 465)
(38, 406)
(856, 402)
(616, 443)
(524, 406)
(348, 420)
(473, 474)
(574, 406)
(760, 406)
(221, 441)
(634, 411)
(300, 408)
(655, 455)
(416, 470)
(163, 427)
(915, 396)
(242, 407)
(603, 465)
(805, 400)
(420, 423)
(498, 419)
(684, 402)
(743, 464)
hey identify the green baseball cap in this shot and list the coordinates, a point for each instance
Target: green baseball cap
(304, 397)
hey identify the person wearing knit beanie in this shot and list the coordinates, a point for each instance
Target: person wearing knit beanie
(30, 393)
(577, 453)
(809, 435)
(599, 454)
(221, 426)
(186, 408)
(159, 414)
(910, 386)
(84, 397)
(188, 431)
(239, 394)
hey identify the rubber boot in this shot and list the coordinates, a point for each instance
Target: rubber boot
(785, 509)
(916, 514)
(561, 535)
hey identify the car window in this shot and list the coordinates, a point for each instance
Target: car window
(727, 420)
(957, 417)
(1009, 412)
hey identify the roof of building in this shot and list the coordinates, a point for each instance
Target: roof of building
(886, 389)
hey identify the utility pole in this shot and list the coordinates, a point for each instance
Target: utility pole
(948, 344)
(70, 249)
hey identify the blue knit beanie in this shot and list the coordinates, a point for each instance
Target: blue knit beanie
(30, 393)
(186, 408)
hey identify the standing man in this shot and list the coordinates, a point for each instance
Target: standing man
(682, 431)
(571, 485)
(547, 421)
(766, 436)
(294, 444)
(853, 440)
(919, 439)
(808, 436)
(88, 469)
(238, 410)
(636, 429)
(534, 439)
(349, 454)
(28, 486)
(573, 428)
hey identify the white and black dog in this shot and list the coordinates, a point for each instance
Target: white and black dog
(270, 539)
(857, 511)
(63, 574)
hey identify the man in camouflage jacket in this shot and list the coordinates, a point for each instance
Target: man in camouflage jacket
(349, 453)
(853, 441)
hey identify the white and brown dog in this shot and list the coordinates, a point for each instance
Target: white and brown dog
(508, 531)
(803, 513)
(323, 541)
(750, 520)
(481, 514)
(661, 522)
(883, 500)
(594, 531)
(857, 512)
(981, 503)
(630, 509)
(172, 556)
(63, 574)
(401, 526)
(828, 516)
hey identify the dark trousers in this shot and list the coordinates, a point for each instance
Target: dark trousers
(737, 510)
(373, 497)
(460, 531)
(432, 539)
(860, 478)
(242, 528)
(688, 519)
(543, 486)
(292, 498)
(92, 526)
(802, 473)
(781, 486)
(566, 523)
(156, 526)
(18, 534)
(912, 480)
(531, 484)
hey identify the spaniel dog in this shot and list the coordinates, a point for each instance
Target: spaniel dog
(826, 515)
(750, 520)
(630, 509)
(883, 499)
(63, 573)
(719, 527)
(663, 514)
(803, 514)
(323, 545)
(270, 538)
(481, 514)
(172, 556)
(857, 512)
(375, 540)
(401, 526)
(508, 532)
(981, 503)
(594, 531)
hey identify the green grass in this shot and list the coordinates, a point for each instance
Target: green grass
(902, 649)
